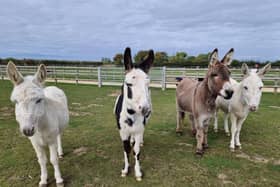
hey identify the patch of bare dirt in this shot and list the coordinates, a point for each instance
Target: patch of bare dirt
(224, 179)
(77, 114)
(276, 162)
(185, 144)
(115, 94)
(90, 106)
(255, 158)
(80, 151)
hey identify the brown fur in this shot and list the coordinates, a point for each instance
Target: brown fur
(198, 99)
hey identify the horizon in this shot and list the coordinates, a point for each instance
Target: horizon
(89, 31)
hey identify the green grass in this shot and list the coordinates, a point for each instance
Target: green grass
(166, 159)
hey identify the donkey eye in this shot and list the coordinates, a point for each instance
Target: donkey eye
(133, 77)
(260, 88)
(245, 87)
(38, 101)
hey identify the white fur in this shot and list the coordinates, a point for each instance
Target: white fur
(223, 104)
(140, 99)
(48, 117)
(246, 98)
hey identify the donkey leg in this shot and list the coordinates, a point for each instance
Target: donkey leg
(205, 140)
(237, 139)
(127, 149)
(142, 140)
(199, 139)
(226, 124)
(180, 119)
(54, 161)
(193, 124)
(216, 121)
(233, 131)
(59, 147)
(137, 168)
(42, 159)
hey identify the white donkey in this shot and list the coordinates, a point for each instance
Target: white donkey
(42, 114)
(246, 98)
(133, 108)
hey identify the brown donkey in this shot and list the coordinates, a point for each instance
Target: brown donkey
(198, 98)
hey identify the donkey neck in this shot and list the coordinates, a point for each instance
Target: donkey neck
(206, 95)
(210, 94)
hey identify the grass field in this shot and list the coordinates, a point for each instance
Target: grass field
(94, 154)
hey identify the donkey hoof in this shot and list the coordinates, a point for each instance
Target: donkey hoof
(60, 156)
(238, 146)
(199, 152)
(232, 149)
(142, 144)
(228, 134)
(216, 130)
(139, 179)
(205, 146)
(124, 174)
(61, 184)
(42, 185)
(179, 132)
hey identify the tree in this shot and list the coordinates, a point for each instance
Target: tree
(160, 58)
(178, 58)
(118, 59)
(140, 56)
(105, 60)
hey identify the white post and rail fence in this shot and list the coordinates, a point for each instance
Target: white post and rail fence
(161, 77)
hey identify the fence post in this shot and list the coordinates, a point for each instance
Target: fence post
(77, 76)
(275, 86)
(163, 78)
(99, 77)
(55, 78)
(197, 72)
(2, 74)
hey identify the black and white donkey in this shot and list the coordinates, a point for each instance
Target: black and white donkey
(133, 108)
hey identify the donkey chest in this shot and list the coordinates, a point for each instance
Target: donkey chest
(132, 123)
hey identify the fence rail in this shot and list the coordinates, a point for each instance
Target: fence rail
(163, 77)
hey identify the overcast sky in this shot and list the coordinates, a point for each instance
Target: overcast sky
(92, 29)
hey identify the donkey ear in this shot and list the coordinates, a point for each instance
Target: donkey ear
(264, 70)
(148, 62)
(228, 57)
(41, 74)
(214, 57)
(127, 59)
(13, 74)
(245, 70)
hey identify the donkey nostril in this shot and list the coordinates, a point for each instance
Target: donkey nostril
(229, 92)
(140, 107)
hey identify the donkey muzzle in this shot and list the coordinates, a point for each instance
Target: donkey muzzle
(253, 108)
(228, 93)
(28, 131)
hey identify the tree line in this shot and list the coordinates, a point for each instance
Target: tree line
(180, 59)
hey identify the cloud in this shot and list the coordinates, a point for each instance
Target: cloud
(90, 30)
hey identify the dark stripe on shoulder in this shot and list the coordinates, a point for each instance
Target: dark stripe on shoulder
(131, 111)
(119, 109)
(129, 121)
